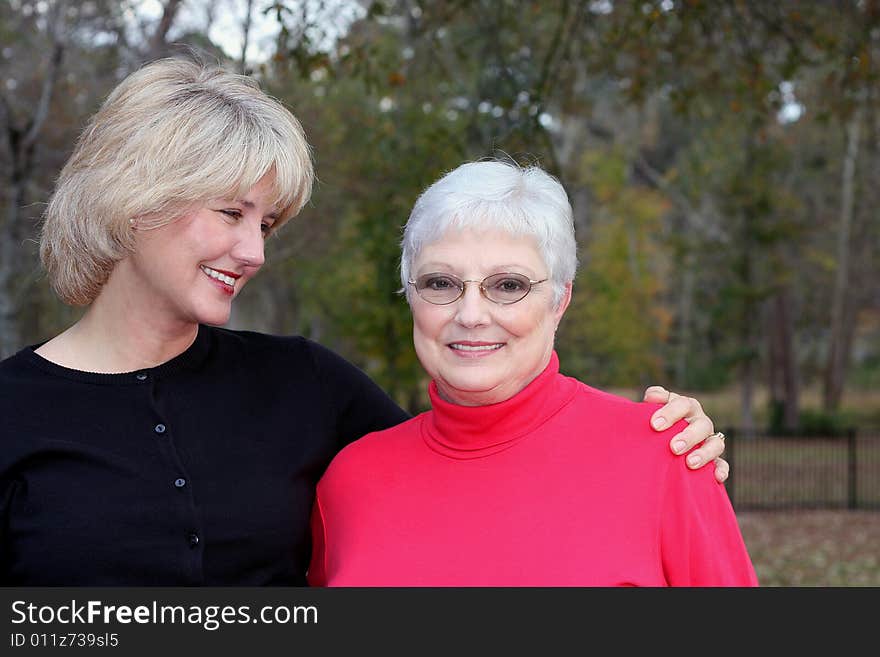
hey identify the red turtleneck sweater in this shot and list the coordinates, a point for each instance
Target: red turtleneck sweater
(561, 485)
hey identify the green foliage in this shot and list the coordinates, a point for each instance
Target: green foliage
(616, 324)
(817, 422)
(695, 205)
(377, 148)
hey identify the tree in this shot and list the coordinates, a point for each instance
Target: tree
(22, 126)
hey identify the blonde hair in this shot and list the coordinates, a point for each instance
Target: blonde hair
(170, 136)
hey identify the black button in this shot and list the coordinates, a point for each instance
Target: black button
(160, 428)
(140, 376)
(180, 483)
(193, 539)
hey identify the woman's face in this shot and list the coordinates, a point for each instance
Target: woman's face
(479, 352)
(191, 269)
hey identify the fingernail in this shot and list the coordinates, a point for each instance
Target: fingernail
(659, 422)
(679, 446)
(694, 460)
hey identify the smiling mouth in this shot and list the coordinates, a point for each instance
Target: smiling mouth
(228, 278)
(459, 346)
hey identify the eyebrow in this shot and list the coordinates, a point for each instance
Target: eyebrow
(248, 204)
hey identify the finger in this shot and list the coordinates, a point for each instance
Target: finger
(656, 395)
(712, 448)
(677, 408)
(694, 434)
(722, 470)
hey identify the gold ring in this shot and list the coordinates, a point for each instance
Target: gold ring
(718, 435)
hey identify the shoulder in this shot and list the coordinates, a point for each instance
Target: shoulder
(12, 366)
(622, 426)
(315, 374)
(29, 396)
(230, 341)
(281, 350)
(634, 416)
(19, 373)
(14, 386)
(378, 449)
(612, 402)
(378, 444)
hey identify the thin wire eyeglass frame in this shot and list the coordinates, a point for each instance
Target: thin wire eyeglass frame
(463, 287)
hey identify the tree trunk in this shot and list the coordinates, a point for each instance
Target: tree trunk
(749, 309)
(784, 375)
(838, 341)
(246, 30)
(685, 319)
(22, 140)
(159, 39)
(747, 395)
(10, 333)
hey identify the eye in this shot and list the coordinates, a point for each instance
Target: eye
(266, 228)
(510, 284)
(439, 283)
(232, 213)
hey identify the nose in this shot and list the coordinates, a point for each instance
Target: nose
(249, 248)
(472, 308)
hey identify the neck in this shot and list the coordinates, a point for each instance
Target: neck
(116, 334)
(505, 390)
(463, 432)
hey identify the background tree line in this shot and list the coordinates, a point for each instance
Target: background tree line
(721, 159)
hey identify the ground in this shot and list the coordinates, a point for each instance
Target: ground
(813, 548)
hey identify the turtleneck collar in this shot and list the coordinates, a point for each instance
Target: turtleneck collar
(467, 432)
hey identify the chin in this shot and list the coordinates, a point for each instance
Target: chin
(215, 318)
(473, 386)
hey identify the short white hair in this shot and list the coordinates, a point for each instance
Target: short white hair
(493, 194)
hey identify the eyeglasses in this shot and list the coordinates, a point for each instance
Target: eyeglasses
(443, 289)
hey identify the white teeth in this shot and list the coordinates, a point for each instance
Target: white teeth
(216, 274)
(470, 347)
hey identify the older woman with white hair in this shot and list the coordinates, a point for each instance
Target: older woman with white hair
(144, 445)
(518, 475)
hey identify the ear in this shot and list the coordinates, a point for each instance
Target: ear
(563, 303)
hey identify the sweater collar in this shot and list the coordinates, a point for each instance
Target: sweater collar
(466, 432)
(189, 359)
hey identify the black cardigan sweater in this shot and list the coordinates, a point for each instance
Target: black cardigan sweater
(200, 471)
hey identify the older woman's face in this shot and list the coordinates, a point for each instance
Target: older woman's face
(479, 352)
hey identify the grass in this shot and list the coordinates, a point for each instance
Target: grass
(804, 472)
(861, 407)
(813, 548)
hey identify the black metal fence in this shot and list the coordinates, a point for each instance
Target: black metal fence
(803, 472)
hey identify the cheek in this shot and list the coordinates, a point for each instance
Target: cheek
(428, 322)
(246, 277)
(428, 338)
(528, 322)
